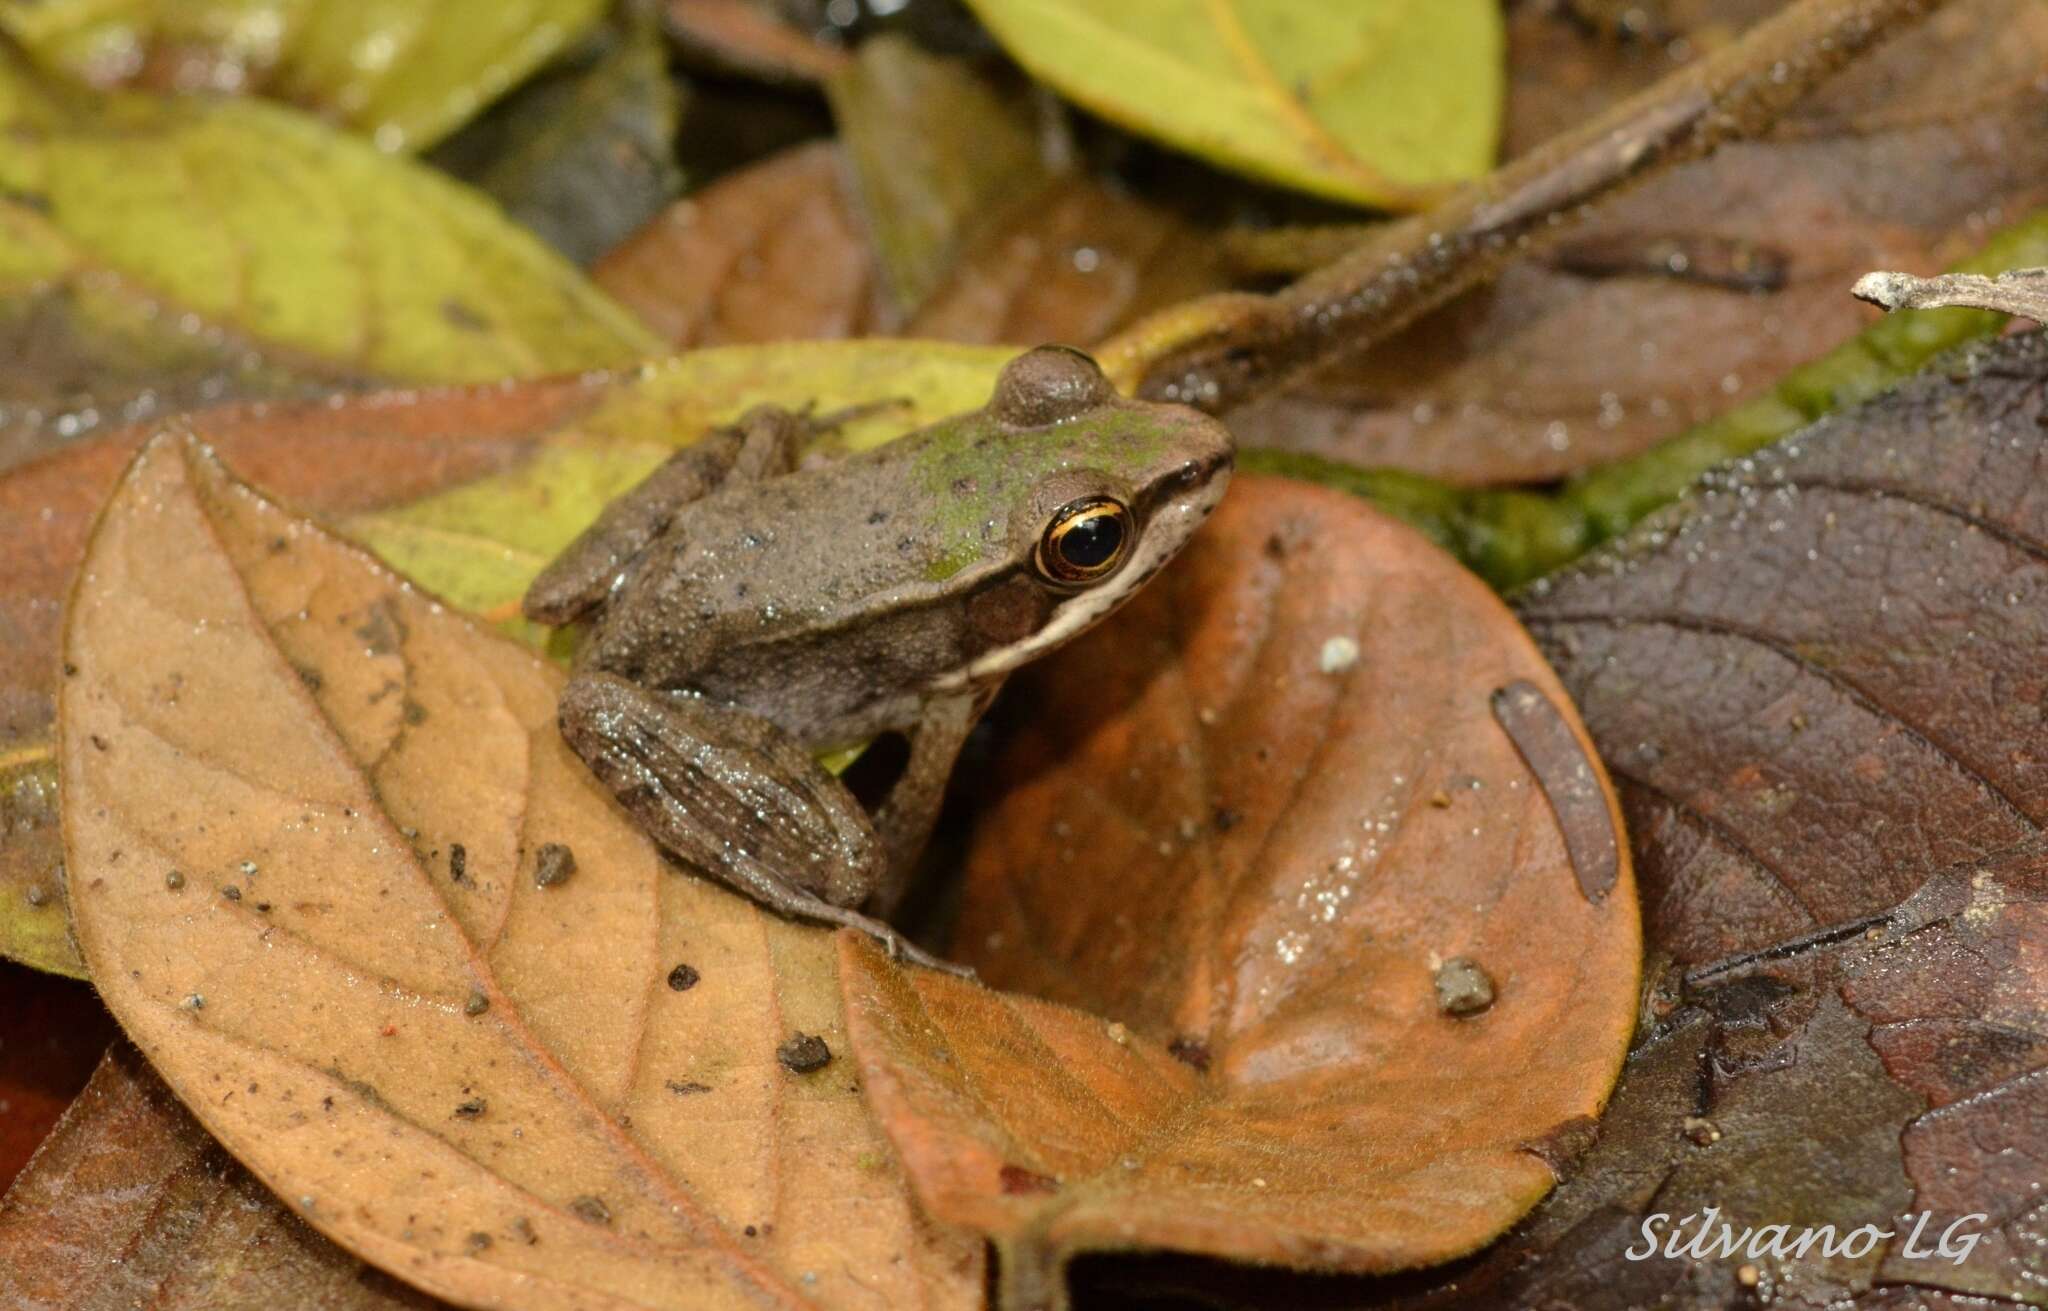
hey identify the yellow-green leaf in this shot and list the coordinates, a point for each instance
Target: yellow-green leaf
(1379, 102)
(151, 242)
(403, 72)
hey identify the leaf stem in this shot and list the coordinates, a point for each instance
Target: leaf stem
(1254, 345)
(1510, 535)
(2019, 291)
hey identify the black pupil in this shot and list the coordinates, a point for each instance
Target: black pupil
(1092, 540)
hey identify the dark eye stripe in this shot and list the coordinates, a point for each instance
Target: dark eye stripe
(1085, 541)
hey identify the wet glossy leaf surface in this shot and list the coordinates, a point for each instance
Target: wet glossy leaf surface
(132, 1203)
(483, 1084)
(1371, 101)
(1837, 808)
(1640, 325)
(1344, 997)
(402, 72)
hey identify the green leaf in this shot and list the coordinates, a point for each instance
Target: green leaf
(146, 243)
(584, 154)
(403, 72)
(481, 543)
(1378, 102)
(935, 149)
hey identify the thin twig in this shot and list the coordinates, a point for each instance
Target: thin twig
(2023, 292)
(1258, 344)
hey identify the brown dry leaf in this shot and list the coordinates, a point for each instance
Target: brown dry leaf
(331, 459)
(130, 1203)
(772, 252)
(778, 252)
(1818, 685)
(1072, 263)
(1265, 827)
(52, 1031)
(934, 148)
(746, 37)
(1586, 355)
(483, 1085)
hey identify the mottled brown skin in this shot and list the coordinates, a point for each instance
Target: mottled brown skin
(746, 614)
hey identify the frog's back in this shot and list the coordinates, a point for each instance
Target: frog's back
(810, 598)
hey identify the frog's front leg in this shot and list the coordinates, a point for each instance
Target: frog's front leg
(732, 795)
(905, 817)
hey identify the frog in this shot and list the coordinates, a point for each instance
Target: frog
(747, 609)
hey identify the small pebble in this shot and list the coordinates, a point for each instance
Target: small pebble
(37, 895)
(1702, 1133)
(804, 1053)
(174, 880)
(1339, 654)
(553, 864)
(1463, 988)
(231, 892)
(477, 1003)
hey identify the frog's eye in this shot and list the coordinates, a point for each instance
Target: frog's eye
(1085, 541)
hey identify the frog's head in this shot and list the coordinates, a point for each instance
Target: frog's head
(1085, 495)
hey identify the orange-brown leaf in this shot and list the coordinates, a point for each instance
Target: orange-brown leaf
(1264, 826)
(480, 1084)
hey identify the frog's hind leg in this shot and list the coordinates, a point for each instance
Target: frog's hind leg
(765, 443)
(733, 796)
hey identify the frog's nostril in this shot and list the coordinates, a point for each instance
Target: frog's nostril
(1051, 384)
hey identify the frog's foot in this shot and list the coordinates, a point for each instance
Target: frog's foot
(899, 947)
(732, 795)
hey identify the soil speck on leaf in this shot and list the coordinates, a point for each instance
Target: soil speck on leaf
(592, 1209)
(470, 1109)
(174, 880)
(683, 978)
(458, 865)
(1190, 1051)
(1463, 987)
(805, 1053)
(477, 1003)
(553, 865)
(1018, 1181)
(686, 1088)
(1338, 655)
